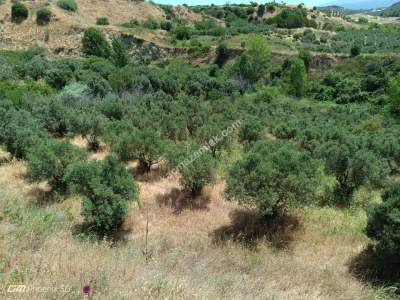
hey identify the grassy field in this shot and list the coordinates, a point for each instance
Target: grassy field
(211, 249)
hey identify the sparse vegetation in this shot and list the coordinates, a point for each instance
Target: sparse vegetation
(69, 5)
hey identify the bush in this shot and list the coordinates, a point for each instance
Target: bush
(19, 12)
(197, 170)
(352, 166)
(94, 43)
(274, 177)
(58, 75)
(222, 54)
(107, 188)
(69, 5)
(36, 67)
(355, 50)
(151, 23)
(49, 160)
(394, 94)
(43, 16)
(120, 55)
(383, 227)
(183, 32)
(145, 145)
(251, 131)
(166, 25)
(102, 21)
(19, 132)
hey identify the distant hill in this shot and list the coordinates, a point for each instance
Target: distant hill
(361, 4)
(392, 11)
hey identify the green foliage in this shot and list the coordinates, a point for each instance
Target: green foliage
(166, 25)
(43, 16)
(19, 132)
(351, 166)
(261, 10)
(19, 12)
(384, 227)
(120, 55)
(394, 95)
(107, 188)
(145, 145)
(36, 67)
(58, 75)
(49, 160)
(251, 131)
(274, 176)
(102, 21)
(94, 43)
(183, 32)
(253, 63)
(197, 169)
(298, 77)
(69, 5)
(355, 50)
(222, 54)
(292, 18)
(151, 23)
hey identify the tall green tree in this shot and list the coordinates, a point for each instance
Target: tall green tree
(298, 77)
(120, 55)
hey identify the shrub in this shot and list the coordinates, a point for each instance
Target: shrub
(90, 124)
(120, 55)
(58, 76)
(274, 177)
(43, 16)
(394, 94)
(53, 115)
(102, 21)
(94, 43)
(197, 170)
(145, 145)
(383, 227)
(261, 10)
(19, 12)
(107, 188)
(36, 67)
(49, 160)
(351, 165)
(251, 131)
(69, 5)
(183, 32)
(151, 23)
(355, 50)
(19, 132)
(166, 25)
(222, 54)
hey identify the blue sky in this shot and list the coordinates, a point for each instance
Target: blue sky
(199, 2)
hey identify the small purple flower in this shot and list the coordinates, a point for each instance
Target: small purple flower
(86, 289)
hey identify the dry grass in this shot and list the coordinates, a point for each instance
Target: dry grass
(65, 29)
(211, 249)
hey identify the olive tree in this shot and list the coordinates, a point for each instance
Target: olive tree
(107, 187)
(49, 160)
(274, 177)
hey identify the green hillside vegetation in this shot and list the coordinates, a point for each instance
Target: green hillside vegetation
(263, 162)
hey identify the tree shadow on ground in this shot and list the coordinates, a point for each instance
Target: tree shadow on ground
(248, 228)
(369, 268)
(86, 232)
(180, 200)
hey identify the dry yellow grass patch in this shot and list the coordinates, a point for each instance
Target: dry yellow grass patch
(198, 251)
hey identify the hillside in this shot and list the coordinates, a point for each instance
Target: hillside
(236, 151)
(392, 11)
(63, 34)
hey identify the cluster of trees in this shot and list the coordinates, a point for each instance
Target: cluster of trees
(164, 114)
